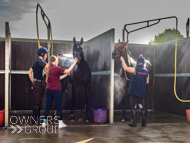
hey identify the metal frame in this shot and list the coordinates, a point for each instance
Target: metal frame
(148, 25)
(49, 31)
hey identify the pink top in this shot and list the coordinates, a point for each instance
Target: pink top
(53, 82)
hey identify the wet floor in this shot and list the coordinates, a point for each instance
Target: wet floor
(161, 127)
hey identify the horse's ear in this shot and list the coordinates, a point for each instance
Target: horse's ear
(81, 41)
(74, 40)
(125, 46)
(119, 41)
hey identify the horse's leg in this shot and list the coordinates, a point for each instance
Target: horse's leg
(63, 85)
(147, 95)
(72, 118)
(123, 90)
(87, 89)
(148, 88)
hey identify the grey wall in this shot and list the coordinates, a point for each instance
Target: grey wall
(97, 53)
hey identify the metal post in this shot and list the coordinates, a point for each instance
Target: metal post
(7, 71)
(49, 42)
(111, 110)
(187, 28)
(123, 36)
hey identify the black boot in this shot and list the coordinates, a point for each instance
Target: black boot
(38, 107)
(34, 115)
(143, 113)
(134, 118)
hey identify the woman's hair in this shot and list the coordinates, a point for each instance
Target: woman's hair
(51, 60)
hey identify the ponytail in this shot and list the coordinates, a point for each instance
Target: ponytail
(51, 60)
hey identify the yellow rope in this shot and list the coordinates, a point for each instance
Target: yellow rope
(176, 71)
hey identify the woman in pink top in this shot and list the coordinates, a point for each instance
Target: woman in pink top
(53, 89)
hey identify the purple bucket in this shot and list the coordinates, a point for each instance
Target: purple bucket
(100, 115)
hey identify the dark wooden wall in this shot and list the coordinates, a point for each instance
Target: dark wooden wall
(165, 99)
(2, 76)
(24, 55)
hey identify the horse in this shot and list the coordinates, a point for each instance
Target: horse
(80, 76)
(124, 77)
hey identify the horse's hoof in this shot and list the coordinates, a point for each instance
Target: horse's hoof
(123, 119)
(66, 91)
(87, 119)
(72, 119)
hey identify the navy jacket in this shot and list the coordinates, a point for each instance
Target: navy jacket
(138, 82)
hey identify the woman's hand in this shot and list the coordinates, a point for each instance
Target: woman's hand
(76, 60)
(121, 58)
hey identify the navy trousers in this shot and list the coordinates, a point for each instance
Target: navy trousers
(56, 96)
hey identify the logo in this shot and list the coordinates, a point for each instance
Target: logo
(23, 124)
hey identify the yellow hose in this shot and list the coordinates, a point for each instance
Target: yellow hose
(51, 41)
(176, 72)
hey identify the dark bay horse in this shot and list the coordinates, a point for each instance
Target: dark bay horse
(124, 77)
(80, 76)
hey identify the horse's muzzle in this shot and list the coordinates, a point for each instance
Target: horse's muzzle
(114, 56)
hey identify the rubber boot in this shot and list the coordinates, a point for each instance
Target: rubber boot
(34, 115)
(134, 118)
(38, 107)
(143, 113)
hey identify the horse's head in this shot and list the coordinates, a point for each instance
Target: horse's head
(119, 50)
(77, 49)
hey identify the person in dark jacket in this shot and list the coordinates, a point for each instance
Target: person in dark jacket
(137, 88)
(36, 77)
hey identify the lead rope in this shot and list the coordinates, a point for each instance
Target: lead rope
(126, 75)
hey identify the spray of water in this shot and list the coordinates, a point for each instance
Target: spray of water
(118, 85)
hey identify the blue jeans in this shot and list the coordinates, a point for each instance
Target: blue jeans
(57, 97)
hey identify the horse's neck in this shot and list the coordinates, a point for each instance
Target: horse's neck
(82, 62)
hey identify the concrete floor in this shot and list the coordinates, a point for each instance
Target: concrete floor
(161, 127)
